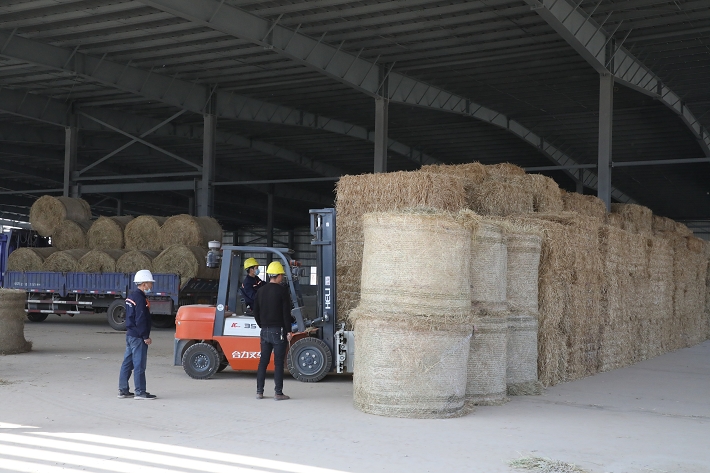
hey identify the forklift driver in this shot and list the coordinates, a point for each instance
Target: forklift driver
(251, 283)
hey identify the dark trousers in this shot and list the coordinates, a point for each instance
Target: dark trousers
(272, 340)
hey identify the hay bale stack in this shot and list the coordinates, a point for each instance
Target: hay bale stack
(472, 172)
(615, 220)
(504, 171)
(133, 261)
(143, 233)
(682, 229)
(689, 271)
(64, 261)
(588, 205)
(521, 356)
(546, 194)
(523, 252)
(659, 297)
(357, 195)
(500, 198)
(12, 322)
(48, 212)
(487, 362)
(636, 218)
(106, 233)
(663, 224)
(99, 261)
(71, 235)
(28, 259)
(186, 261)
(189, 231)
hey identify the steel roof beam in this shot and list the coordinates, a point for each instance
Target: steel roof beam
(590, 40)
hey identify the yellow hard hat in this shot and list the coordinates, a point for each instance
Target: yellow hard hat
(250, 262)
(275, 268)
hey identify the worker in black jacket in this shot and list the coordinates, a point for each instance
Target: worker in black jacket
(137, 338)
(272, 312)
(252, 282)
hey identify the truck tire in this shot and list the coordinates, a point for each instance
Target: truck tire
(309, 360)
(37, 317)
(200, 361)
(116, 315)
(162, 320)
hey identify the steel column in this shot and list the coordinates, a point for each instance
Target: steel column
(270, 221)
(580, 182)
(205, 194)
(381, 112)
(71, 138)
(606, 118)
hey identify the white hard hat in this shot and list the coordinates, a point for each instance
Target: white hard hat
(143, 276)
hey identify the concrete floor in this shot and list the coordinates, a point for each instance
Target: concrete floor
(59, 412)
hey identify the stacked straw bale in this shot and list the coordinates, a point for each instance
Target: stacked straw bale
(521, 356)
(12, 322)
(636, 218)
(658, 298)
(615, 220)
(501, 197)
(186, 261)
(588, 205)
(489, 263)
(99, 261)
(487, 361)
(48, 212)
(189, 231)
(64, 261)
(71, 235)
(28, 259)
(546, 194)
(663, 224)
(413, 332)
(106, 233)
(143, 233)
(689, 270)
(133, 261)
(504, 170)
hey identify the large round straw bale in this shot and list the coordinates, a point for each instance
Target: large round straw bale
(64, 261)
(547, 195)
(488, 265)
(48, 212)
(71, 235)
(186, 261)
(189, 231)
(12, 322)
(589, 205)
(133, 261)
(106, 233)
(521, 371)
(487, 362)
(28, 259)
(636, 218)
(143, 233)
(522, 274)
(409, 367)
(504, 170)
(417, 262)
(99, 261)
(501, 198)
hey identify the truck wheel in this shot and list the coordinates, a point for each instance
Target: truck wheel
(309, 360)
(200, 361)
(37, 317)
(116, 315)
(162, 320)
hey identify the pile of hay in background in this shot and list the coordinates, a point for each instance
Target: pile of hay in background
(99, 261)
(635, 218)
(12, 322)
(189, 231)
(48, 212)
(106, 233)
(143, 233)
(689, 271)
(64, 261)
(186, 261)
(133, 261)
(658, 299)
(71, 235)
(546, 194)
(475, 173)
(501, 198)
(588, 205)
(28, 259)
(504, 170)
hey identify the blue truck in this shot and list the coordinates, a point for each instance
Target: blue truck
(90, 293)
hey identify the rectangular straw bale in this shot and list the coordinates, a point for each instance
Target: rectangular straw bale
(494, 197)
(663, 224)
(658, 301)
(504, 170)
(474, 172)
(547, 195)
(614, 220)
(589, 205)
(682, 229)
(636, 218)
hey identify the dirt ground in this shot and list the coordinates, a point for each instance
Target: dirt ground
(59, 412)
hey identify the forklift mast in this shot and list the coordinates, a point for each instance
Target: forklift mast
(323, 231)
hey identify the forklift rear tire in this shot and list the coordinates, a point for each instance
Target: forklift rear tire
(116, 315)
(37, 317)
(309, 360)
(200, 361)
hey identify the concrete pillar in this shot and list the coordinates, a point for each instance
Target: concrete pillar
(606, 119)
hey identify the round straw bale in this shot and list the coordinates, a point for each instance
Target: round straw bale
(186, 261)
(547, 195)
(12, 322)
(589, 205)
(143, 233)
(488, 264)
(64, 261)
(523, 251)
(71, 235)
(189, 231)
(28, 259)
(409, 369)
(521, 371)
(106, 233)
(99, 261)
(48, 212)
(487, 363)
(133, 261)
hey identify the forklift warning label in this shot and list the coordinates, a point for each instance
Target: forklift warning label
(241, 327)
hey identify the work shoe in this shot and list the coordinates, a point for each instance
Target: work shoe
(145, 396)
(281, 397)
(260, 395)
(125, 394)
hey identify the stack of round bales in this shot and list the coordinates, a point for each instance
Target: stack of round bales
(48, 212)
(106, 233)
(189, 231)
(28, 259)
(413, 322)
(186, 261)
(12, 322)
(143, 233)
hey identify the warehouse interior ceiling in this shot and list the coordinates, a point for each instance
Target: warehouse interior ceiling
(293, 87)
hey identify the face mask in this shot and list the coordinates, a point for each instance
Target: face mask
(148, 291)
(256, 272)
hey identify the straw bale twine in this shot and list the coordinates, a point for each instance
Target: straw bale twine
(186, 261)
(504, 170)
(12, 322)
(521, 357)
(189, 231)
(28, 259)
(48, 212)
(547, 195)
(143, 233)
(588, 205)
(64, 261)
(133, 261)
(106, 233)
(409, 366)
(523, 252)
(487, 363)
(436, 280)
(99, 261)
(488, 263)
(500, 198)
(71, 235)
(636, 218)
(473, 172)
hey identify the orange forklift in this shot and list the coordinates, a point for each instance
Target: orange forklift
(209, 338)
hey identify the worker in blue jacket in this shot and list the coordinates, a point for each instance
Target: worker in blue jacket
(252, 283)
(137, 338)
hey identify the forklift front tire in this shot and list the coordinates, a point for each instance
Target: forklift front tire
(309, 360)
(200, 361)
